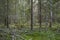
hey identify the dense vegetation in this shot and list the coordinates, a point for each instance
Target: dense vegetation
(29, 19)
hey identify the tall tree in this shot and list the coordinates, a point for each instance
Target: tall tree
(51, 12)
(31, 14)
(39, 12)
(7, 24)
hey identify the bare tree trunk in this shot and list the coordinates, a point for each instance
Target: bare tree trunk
(50, 20)
(7, 24)
(51, 12)
(39, 13)
(31, 14)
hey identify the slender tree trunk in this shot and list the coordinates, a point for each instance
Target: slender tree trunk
(51, 12)
(39, 13)
(31, 14)
(7, 15)
(50, 20)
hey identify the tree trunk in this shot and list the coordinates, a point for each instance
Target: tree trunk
(31, 14)
(39, 13)
(51, 12)
(7, 15)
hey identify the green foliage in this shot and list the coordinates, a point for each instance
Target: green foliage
(43, 35)
(54, 1)
(5, 36)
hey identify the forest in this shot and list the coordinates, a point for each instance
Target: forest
(29, 19)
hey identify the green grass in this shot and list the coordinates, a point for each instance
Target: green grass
(43, 35)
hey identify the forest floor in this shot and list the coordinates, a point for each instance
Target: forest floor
(26, 34)
(42, 35)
